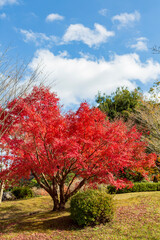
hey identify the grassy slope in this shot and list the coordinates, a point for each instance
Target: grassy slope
(137, 217)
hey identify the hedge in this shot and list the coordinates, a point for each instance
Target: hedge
(138, 187)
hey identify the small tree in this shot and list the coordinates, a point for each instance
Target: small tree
(51, 146)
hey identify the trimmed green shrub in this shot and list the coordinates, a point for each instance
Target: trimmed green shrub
(91, 207)
(138, 187)
(22, 192)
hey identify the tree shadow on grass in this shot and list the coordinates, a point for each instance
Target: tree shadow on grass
(9, 212)
(39, 222)
(59, 223)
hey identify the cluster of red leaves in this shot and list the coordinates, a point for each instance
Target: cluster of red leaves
(43, 140)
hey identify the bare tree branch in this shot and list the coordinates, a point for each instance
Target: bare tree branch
(148, 118)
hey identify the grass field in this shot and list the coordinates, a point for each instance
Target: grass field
(137, 216)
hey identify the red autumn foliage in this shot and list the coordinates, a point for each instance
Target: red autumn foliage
(50, 145)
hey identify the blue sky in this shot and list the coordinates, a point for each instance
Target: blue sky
(85, 46)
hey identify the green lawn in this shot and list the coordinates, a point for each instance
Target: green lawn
(137, 216)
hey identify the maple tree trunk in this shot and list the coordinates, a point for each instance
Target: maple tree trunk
(62, 197)
(53, 192)
(58, 201)
(55, 203)
(54, 195)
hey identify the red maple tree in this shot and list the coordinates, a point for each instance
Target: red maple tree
(82, 145)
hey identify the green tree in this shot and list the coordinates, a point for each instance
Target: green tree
(120, 103)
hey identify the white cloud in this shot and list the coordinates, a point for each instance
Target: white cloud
(87, 56)
(140, 45)
(7, 2)
(78, 79)
(38, 38)
(63, 54)
(53, 17)
(126, 19)
(3, 16)
(78, 32)
(103, 12)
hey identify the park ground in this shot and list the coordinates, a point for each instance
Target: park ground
(137, 216)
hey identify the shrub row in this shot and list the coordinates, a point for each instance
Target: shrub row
(138, 187)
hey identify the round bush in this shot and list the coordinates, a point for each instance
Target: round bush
(91, 207)
(22, 192)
